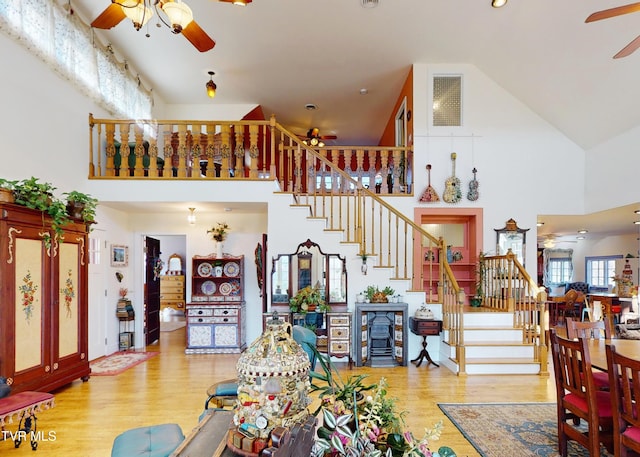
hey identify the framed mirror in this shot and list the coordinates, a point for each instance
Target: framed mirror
(309, 266)
(512, 237)
(174, 265)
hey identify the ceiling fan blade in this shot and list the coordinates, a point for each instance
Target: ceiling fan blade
(329, 137)
(198, 37)
(613, 12)
(628, 49)
(109, 18)
(232, 1)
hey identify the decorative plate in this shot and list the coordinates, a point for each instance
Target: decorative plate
(235, 286)
(231, 269)
(225, 288)
(205, 269)
(209, 288)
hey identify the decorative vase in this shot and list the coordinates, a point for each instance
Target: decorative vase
(217, 271)
(219, 246)
(475, 301)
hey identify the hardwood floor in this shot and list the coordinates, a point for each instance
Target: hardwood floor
(171, 388)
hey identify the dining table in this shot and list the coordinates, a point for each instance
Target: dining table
(598, 354)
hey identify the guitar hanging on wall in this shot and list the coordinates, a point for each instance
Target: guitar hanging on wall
(452, 191)
(429, 195)
(473, 193)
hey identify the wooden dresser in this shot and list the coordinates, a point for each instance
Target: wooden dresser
(172, 292)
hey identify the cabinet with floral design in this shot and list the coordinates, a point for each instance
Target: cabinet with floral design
(44, 301)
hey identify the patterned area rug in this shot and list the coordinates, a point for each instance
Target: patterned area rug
(118, 362)
(518, 429)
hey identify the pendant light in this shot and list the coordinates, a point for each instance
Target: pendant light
(498, 3)
(191, 218)
(211, 86)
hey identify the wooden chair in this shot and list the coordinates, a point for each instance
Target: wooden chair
(578, 399)
(567, 307)
(626, 422)
(591, 330)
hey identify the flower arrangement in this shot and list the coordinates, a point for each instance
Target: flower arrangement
(219, 232)
(356, 425)
(123, 292)
(375, 295)
(308, 299)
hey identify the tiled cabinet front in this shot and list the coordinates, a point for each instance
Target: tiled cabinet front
(215, 328)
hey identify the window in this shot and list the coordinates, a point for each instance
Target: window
(68, 46)
(600, 270)
(558, 266)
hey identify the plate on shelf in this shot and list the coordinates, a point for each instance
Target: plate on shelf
(225, 288)
(231, 269)
(205, 269)
(235, 286)
(208, 287)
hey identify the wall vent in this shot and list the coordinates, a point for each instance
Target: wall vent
(447, 101)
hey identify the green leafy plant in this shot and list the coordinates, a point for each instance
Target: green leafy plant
(40, 195)
(370, 291)
(305, 300)
(7, 184)
(86, 202)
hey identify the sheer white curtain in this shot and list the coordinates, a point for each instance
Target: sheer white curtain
(66, 44)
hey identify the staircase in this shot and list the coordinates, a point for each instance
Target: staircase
(492, 345)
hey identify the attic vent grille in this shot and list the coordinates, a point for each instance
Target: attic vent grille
(447, 104)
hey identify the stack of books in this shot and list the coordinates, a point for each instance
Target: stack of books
(124, 308)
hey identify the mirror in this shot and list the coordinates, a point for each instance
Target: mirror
(174, 265)
(511, 237)
(309, 266)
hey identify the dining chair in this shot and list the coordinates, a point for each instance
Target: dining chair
(567, 306)
(626, 422)
(591, 330)
(578, 399)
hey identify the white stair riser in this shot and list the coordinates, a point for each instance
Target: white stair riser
(515, 368)
(492, 335)
(496, 352)
(488, 319)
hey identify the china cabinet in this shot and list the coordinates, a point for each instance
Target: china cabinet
(44, 301)
(215, 316)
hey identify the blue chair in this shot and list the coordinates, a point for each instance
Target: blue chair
(223, 394)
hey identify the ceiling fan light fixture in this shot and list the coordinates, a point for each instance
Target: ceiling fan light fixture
(240, 2)
(211, 86)
(138, 12)
(498, 3)
(179, 14)
(369, 3)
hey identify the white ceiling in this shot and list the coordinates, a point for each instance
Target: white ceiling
(283, 54)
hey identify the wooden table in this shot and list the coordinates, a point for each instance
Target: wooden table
(628, 348)
(424, 328)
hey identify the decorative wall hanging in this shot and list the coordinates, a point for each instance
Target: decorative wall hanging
(473, 193)
(452, 191)
(429, 195)
(119, 255)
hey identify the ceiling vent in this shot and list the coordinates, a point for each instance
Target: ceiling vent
(369, 3)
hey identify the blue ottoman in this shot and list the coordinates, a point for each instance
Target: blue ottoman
(153, 441)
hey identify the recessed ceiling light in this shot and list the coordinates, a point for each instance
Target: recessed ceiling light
(580, 237)
(363, 91)
(637, 211)
(310, 106)
(583, 231)
(637, 222)
(539, 224)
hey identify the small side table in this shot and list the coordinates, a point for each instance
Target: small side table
(424, 328)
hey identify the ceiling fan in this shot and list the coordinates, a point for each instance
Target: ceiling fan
(550, 240)
(237, 2)
(179, 19)
(313, 137)
(619, 11)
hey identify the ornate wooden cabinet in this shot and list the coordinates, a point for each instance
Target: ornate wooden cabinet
(43, 311)
(216, 318)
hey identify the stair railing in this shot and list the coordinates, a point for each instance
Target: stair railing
(508, 287)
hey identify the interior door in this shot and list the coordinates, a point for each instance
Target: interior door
(151, 291)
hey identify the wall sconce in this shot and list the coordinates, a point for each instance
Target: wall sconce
(498, 3)
(191, 218)
(211, 86)
(363, 267)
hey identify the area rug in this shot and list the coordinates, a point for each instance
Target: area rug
(118, 362)
(518, 429)
(171, 325)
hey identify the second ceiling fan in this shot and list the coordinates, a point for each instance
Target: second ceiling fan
(313, 138)
(619, 11)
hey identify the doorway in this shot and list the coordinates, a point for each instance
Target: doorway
(151, 290)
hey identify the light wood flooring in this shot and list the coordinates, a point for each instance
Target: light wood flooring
(171, 388)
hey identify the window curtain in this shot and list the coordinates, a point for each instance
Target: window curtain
(68, 46)
(548, 254)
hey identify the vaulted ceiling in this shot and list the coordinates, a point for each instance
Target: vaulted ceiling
(283, 54)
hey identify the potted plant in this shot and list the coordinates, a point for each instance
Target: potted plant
(39, 195)
(310, 303)
(81, 206)
(481, 268)
(375, 295)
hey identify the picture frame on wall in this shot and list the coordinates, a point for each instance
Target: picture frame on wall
(119, 255)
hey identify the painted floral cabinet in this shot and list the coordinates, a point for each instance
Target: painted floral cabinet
(44, 301)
